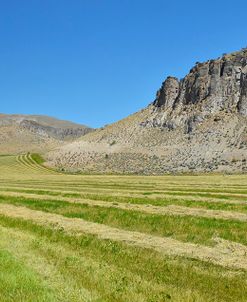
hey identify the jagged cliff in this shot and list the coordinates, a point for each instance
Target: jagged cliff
(209, 88)
(198, 123)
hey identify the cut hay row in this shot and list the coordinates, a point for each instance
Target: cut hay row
(28, 160)
(148, 194)
(239, 205)
(82, 183)
(25, 159)
(120, 238)
(179, 227)
(145, 208)
(111, 271)
(235, 258)
(25, 167)
(32, 162)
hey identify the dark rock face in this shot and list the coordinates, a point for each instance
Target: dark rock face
(242, 105)
(168, 93)
(209, 88)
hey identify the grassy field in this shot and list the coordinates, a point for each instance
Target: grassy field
(120, 238)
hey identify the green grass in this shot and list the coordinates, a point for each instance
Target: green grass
(38, 158)
(129, 271)
(187, 229)
(20, 283)
(242, 207)
(43, 263)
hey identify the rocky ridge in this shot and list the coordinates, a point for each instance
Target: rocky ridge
(210, 88)
(36, 133)
(196, 124)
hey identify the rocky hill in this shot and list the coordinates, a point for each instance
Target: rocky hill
(196, 124)
(36, 133)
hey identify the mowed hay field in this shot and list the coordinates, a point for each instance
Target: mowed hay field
(120, 238)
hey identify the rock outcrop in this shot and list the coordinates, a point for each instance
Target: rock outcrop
(197, 124)
(212, 87)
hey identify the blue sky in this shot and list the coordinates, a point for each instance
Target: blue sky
(95, 62)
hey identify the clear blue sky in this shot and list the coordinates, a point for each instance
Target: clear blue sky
(96, 61)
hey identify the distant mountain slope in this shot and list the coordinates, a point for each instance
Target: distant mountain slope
(195, 124)
(36, 133)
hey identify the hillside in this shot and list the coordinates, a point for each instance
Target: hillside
(36, 133)
(197, 124)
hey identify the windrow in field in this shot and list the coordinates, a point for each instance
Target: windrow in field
(116, 271)
(227, 254)
(184, 228)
